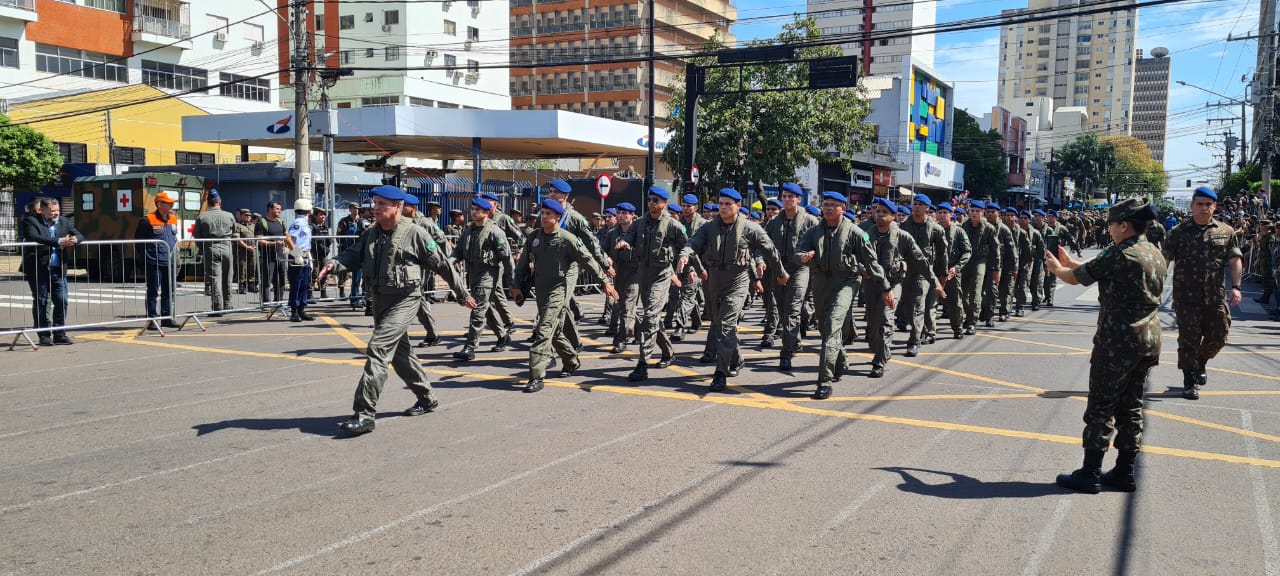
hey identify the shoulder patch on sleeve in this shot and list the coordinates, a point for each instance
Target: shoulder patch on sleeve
(862, 233)
(431, 245)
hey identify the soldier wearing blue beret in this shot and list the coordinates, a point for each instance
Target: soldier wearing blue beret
(784, 301)
(985, 256)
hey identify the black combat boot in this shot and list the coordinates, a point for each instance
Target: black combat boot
(1088, 478)
(1121, 477)
(1190, 380)
(640, 374)
(302, 313)
(467, 354)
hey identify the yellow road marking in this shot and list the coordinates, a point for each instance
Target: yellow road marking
(919, 397)
(342, 331)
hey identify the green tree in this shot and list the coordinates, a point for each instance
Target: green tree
(1085, 160)
(28, 160)
(1248, 179)
(766, 136)
(1133, 170)
(986, 171)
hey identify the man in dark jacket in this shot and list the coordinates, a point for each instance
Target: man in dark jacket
(45, 267)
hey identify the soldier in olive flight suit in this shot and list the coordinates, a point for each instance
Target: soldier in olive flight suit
(958, 253)
(547, 263)
(839, 256)
(1200, 249)
(655, 240)
(483, 248)
(898, 255)
(500, 311)
(991, 309)
(217, 224)
(1009, 280)
(576, 224)
(725, 245)
(1032, 265)
(985, 255)
(393, 252)
(916, 296)
(689, 296)
(785, 231)
(1055, 234)
(623, 318)
(428, 321)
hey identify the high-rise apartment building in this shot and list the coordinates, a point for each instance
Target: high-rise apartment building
(564, 50)
(1151, 100)
(884, 56)
(463, 43)
(1077, 60)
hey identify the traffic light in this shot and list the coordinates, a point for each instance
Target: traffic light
(1188, 182)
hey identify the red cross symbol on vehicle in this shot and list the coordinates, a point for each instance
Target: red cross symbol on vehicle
(124, 199)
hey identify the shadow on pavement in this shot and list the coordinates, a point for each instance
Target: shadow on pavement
(964, 487)
(318, 425)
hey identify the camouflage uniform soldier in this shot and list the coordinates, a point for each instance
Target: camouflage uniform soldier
(1199, 249)
(1130, 276)
(899, 256)
(839, 254)
(958, 253)
(654, 240)
(1031, 265)
(624, 319)
(483, 248)
(985, 255)
(547, 263)
(246, 264)
(456, 225)
(392, 254)
(1156, 235)
(217, 223)
(1055, 235)
(916, 300)
(785, 231)
(725, 245)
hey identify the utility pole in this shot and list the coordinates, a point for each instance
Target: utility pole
(111, 146)
(650, 169)
(301, 64)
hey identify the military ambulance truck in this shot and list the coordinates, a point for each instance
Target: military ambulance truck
(109, 208)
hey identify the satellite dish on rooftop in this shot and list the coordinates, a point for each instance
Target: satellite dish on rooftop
(1159, 52)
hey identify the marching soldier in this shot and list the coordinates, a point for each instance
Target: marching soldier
(1130, 276)
(725, 245)
(392, 254)
(574, 223)
(917, 300)
(1016, 258)
(483, 248)
(688, 315)
(1032, 270)
(1055, 234)
(428, 321)
(1201, 248)
(839, 255)
(1008, 255)
(958, 253)
(623, 318)
(898, 255)
(654, 241)
(785, 231)
(985, 256)
(548, 263)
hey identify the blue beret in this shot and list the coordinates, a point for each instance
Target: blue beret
(961, 210)
(755, 215)
(1010, 210)
(943, 207)
(410, 199)
(838, 197)
(675, 209)
(813, 210)
(793, 188)
(611, 211)
(774, 202)
(744, 211)
(689, 199)
(490, 196)
(1206, 192)
(482, 204)
(904, 210)
(851, 215)
(1025, 213)
(213, 194)
(1038, 212)
(923, 199)
(553, 206)
(887, 203)
(993, 206)
(560, 185)
(659, 192)
(1053, 213)
(976, 204)
(730, 193)
(709, 206)
(388, 192)
(627, 207)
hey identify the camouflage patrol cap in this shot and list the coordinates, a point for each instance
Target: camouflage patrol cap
(1131, 210)
(245, 211)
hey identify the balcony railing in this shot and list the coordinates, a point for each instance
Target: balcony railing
(24, 4)
(171, 19)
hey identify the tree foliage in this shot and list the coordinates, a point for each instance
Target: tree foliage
(770, 133)
(986, 170)
(28, 160)
(1085, 160)
(1246, 180)
(1133, 170)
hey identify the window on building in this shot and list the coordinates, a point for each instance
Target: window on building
(473, 66)
(8, 52)
(391, 53)
(421, 102)
(368, 52)
(128, 155)
(390, 17)
(368, 16)
(253, 32)
(112, 5)
(451, 27)
(378, 101)
(319, 22)
(244, 87)
(344, 57)
(181, 157)
(473, 33)
(1082, 76)
(446, 105)
(450, 60)
(174, 76)
(73, 153)
(347, 22)
(72, 62)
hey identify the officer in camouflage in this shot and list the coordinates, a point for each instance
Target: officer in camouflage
(547, 263)
(839, 256)
(483, 248)
(1130, 275)
(393, 253)
(1200, 248)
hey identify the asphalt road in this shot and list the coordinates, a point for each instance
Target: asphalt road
(215, 453)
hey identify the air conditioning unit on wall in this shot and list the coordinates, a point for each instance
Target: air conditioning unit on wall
(386, 27)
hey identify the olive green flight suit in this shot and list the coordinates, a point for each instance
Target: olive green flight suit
(487, 255)
(842, 258)
(918, 302)
(899, 256)
(959, 252)
(553, 257)
(985, 254)
(217, 223)
(785, 233)
(655, 243)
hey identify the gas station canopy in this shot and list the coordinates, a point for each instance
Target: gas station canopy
(432, 133)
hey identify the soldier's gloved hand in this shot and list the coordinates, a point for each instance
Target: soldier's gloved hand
(517, 296)
(469, 303)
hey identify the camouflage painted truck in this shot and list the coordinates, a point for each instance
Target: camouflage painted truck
(109, 208)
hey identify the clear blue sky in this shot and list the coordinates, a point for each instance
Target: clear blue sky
(1194, 31)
